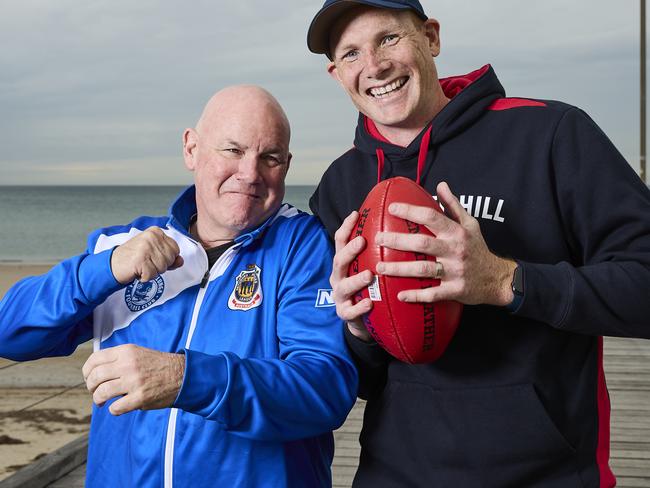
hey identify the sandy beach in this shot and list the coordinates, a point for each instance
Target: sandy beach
(11, 273)
(43, 404)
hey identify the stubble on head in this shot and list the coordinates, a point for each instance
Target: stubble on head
(239, 153)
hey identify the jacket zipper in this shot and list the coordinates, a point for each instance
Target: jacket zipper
(219, 267)
(205, 279)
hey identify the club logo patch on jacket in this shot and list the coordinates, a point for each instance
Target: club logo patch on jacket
(139, 295)
(247, 293)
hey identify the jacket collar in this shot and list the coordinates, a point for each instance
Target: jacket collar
(183, 209)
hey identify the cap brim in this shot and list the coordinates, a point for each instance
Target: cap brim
(318, 35)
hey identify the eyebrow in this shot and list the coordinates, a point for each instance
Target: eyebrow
(390, 29)
(278, 151)
(344, 48)
(272, 150)
(230, 142)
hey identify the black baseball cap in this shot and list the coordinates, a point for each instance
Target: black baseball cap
(318, 36)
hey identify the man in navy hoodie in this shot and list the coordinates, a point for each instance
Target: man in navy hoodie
(546, 240)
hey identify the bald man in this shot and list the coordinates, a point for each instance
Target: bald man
(215, 363)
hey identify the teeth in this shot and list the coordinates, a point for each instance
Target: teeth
(383, 90)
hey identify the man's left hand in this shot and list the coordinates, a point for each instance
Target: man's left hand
(472, 274)
(144, 379)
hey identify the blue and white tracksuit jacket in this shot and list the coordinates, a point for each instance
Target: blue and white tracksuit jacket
(267, 374)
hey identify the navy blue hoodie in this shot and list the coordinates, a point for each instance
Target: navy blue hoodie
(518, 399)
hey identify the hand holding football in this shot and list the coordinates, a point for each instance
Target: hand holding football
(411, 332)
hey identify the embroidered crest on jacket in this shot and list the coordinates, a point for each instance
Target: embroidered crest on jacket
(140, 295)
(247, 293)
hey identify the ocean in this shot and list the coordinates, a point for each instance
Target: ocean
(45, 224)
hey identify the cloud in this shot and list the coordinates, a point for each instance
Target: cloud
(105, 82)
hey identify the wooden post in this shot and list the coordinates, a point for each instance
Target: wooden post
(643, 102)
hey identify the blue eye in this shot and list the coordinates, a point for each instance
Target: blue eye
(389, 39)
(350, 55)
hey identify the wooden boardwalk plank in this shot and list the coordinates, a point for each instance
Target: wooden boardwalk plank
(627, 364)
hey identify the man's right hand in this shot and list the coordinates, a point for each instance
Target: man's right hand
(145, 256)
(344, 288)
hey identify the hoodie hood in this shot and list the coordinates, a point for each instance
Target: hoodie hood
(470, 95)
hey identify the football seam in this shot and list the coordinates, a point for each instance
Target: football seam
(382, 280)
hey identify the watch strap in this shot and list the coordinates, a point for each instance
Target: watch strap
(517, 288)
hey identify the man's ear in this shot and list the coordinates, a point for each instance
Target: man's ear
(332, 71)
(289, 156)
(190, 138)
(432, 33)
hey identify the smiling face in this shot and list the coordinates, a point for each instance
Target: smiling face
(239, 153)
(384, 60)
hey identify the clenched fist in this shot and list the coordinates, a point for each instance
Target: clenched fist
(145, 256)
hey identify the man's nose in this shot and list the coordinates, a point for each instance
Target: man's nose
(376, 65)
(249, 169)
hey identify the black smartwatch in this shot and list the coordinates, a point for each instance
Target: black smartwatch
(517, 288)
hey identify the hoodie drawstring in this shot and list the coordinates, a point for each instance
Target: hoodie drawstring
(422, 157)
(380, 163)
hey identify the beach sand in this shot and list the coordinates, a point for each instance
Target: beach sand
(43, 404)
(10, 273)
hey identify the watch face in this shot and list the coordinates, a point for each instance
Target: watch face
(518, 281)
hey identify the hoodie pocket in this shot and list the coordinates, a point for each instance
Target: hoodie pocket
(503, 424)
(500, 434)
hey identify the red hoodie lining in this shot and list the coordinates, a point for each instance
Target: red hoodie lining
(508, 103)
(453, 85)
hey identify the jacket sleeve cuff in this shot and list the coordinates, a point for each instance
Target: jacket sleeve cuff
(548, 293)
(204, 383)
(370, 353)
(96, 278)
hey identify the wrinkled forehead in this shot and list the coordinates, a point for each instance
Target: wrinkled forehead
(250, 123)
(258, 131)
(365, 22)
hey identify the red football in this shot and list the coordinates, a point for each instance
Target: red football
(411, 332)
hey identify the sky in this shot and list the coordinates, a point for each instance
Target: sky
(98, 92)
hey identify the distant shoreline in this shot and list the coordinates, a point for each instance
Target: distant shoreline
(46, 224)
